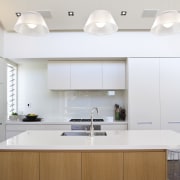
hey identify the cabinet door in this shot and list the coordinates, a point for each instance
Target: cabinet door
(145, 166)
(58, 75)
(114, 127)
(19, 165)
(99, 166)
(86, 75)
(60, 166)
(114, 75)
(170, 93)
(2, 131)
(3, 98)
(143, 95)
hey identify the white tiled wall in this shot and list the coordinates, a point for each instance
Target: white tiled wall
(59, 105)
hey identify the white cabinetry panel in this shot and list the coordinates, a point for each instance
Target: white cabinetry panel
(58, 75)
(114, 127)
(91, 75)
(144, 100)
(15, 129)
(86, 75)
(3, 104)
(170, 93)
(114, 75)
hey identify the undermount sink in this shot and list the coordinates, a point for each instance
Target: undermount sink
(83, 133)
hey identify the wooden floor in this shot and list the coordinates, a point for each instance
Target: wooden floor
(174, 170)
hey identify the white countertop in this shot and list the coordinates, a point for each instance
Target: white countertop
(45, 122)
(115, 140)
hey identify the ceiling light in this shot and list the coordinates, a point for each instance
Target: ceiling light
(123, 13)
(70, 13)
(167, 22)
(18, 14)
(31, 23)
(100, 22)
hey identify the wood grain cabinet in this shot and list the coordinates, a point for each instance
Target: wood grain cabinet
(145, 166)
(19, 165)
(97, 166)
(60, 166)
(83, 165)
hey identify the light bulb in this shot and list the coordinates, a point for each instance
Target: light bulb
(32, 26)
(168, 25)
(100, 25)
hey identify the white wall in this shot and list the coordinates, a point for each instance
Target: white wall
(80, 44)
(1, 41)
(60, 105)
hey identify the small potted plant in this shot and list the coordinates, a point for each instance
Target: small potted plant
(14, 116)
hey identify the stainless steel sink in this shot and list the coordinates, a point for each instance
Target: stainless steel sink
(83, 133)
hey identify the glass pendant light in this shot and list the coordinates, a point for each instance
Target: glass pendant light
(31, 23)
(100, 22)
(167, 22)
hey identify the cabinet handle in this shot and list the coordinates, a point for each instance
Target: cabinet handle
(0, 123)
(140, 123)
(174, 122)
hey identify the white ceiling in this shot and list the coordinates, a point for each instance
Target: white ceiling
(60, 21)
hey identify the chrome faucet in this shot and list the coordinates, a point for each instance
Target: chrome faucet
(92, 127)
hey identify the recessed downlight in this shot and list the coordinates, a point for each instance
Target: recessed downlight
(70, 13)
(123, 13)
(18, 14)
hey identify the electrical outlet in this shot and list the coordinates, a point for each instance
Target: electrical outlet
(29, 105)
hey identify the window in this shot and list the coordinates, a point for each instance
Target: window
(11, 88)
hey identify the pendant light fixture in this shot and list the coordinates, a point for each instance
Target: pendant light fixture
(167, 22)
(31, 23)
(100, 22)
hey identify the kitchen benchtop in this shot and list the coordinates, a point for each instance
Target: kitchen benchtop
(115, 140)
(44, 122)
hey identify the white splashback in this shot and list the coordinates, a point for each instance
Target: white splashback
(60, 105)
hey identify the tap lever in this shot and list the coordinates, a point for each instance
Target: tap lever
(92, 127)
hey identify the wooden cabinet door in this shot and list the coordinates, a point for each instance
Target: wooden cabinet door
(102, 166)
(19, 166)
(60, 166)
(145, 166)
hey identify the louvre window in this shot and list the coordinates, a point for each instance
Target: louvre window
(11, 88)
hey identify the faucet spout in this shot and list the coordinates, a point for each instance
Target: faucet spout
(92, 127)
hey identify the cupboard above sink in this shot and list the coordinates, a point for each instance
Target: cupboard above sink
(91, 75)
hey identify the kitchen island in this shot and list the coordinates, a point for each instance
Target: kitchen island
(121, 155)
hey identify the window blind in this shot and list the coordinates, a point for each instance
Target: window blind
(11, 88)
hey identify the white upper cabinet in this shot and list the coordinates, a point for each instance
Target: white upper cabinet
(114, 75)
(58, 75)
(143, 90)
(170, 93)
(87, 75)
